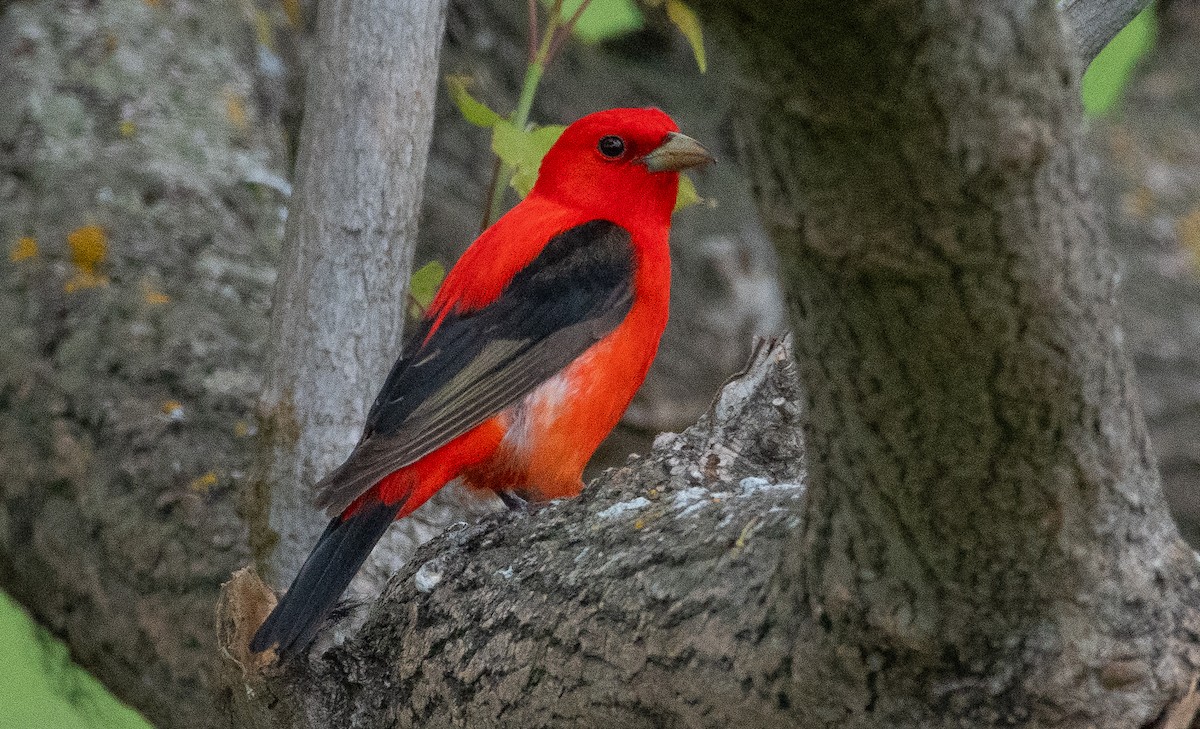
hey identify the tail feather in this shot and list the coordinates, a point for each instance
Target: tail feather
(339, 554)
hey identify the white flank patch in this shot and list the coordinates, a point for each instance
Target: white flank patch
(545, 399)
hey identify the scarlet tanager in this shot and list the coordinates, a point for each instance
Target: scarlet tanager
(534, 346)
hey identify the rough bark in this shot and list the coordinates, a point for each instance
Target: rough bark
(352, 229)
(984, 540)
(126, 395)
(983, 502)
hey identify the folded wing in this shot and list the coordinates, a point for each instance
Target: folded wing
(476, 364)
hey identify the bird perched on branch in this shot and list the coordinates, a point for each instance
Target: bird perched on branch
(534, 346)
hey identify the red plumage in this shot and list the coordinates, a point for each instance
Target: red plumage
(534, 346)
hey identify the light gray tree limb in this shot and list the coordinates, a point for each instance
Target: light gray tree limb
(340, 298)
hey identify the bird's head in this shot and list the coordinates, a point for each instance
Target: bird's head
(619, 163)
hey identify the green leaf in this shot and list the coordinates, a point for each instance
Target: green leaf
(43, 687)
(687, 195)
(523, 150)
(604, 19)
(1106, 77)
(423, 285)
(685, 19)
(472, 109)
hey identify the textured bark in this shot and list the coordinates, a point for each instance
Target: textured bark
(348, 249)
(983, 502)
(126, 397)
(984, 540)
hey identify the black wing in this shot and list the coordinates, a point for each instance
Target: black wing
(476, 364)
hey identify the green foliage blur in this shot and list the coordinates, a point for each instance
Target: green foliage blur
(41, 688)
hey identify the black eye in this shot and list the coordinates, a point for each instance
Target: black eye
(612, 146)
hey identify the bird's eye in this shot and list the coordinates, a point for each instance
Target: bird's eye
(612, 146)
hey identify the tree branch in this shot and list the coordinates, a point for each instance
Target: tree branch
(348, 251)
(499, 620)
(1094, 23)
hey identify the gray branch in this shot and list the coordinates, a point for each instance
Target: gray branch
(340, 299)
(1094, 23)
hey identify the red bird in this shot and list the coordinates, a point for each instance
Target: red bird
(535, 345)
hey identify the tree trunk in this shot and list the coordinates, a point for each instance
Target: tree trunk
(141, 167)
(348, 249)
(983, 539)
(983, 500)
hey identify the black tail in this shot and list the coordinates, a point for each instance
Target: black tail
(335, 560)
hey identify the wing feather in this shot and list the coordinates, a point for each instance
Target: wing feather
(577, 291)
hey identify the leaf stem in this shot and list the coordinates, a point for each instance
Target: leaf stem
(520, 115)
(533, 30)
(569, 27)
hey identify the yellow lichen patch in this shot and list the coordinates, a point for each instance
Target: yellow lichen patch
(25, 248)
(639, 524)
(292, 8)
(201, 484)
(745, 535)
(235, 110)
(173, 409)
(1188, 230)
(241, 429)
(151, 295)
(127, 128)
(89, 246)
(153, 3)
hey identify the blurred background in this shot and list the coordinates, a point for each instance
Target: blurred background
(145, 156)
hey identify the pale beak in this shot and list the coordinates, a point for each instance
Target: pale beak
(677, 152)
